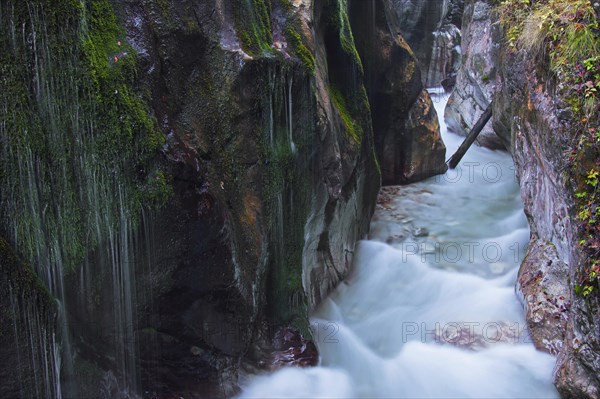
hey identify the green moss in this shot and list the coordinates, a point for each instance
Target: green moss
(287, 5)
(252, 19)
(287, 301)
(512, 14)
(159, 189)
(246, 42)
(342, 22)
(352, 128)
(286, 220)
(286, 190)
(305, 55)
(81, 140)
(123, 115)
(22, 276)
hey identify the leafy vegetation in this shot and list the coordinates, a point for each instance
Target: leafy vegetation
(585, 160)
(565, 35)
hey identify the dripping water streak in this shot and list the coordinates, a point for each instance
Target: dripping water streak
(290, 115)
(370, 352)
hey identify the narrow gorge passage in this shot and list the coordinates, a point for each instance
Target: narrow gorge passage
(430, 309)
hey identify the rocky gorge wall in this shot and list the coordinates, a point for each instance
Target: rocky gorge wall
(531, 118)
(193, 176)
(476, 79)
(432, 30)
(404, 120)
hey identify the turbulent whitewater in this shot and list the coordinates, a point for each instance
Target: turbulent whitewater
(430, 309)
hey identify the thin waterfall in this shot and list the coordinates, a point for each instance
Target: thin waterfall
(279, 130)
(147, 248)
(271, 122)
(406, 315)
(60, 202)
(38, 352)
(287, 106)
(278, 123)
(290, 115)
(56, 362)
(15, 313)
(128, 296)
(121, 260)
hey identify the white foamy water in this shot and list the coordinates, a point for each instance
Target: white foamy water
(430, 309)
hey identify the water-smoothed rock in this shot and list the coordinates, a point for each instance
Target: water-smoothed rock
(545, 295)
(266, 174)
(292, 349)
(407, 139)
(527, 115)
(445, 58)
(476, 80)
(432, 29)
(531, 120)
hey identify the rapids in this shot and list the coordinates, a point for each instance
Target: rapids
(430, 309)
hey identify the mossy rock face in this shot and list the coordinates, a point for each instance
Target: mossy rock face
(231, 102)
(542, 118)
(27, 327)
(80, 140)
(252, 19)
(211, 236)
(78, 163)
(302, 51)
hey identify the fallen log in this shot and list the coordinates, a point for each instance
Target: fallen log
(477, 128)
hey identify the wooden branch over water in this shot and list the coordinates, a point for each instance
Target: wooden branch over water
(485, 117)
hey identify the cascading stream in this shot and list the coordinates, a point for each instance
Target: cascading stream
(430, 309)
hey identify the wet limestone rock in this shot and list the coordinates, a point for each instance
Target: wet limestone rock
(271, 150)
(432, 29)
(546, 298)
(445, 57)
(561, 322)
(269, 161)
(534, 123)
(476, 80)
(292, 349)
(407, 139)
